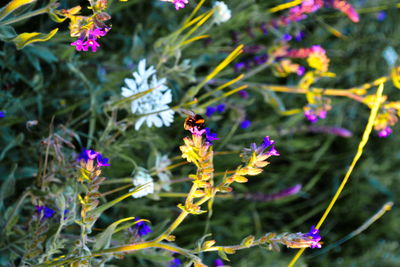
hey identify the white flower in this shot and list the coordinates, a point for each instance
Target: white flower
(222, 12)
(162, 162)
(156, 100)
(142, 177)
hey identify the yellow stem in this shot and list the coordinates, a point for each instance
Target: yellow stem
(364, 140)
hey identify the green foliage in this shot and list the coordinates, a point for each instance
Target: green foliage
(58, 101)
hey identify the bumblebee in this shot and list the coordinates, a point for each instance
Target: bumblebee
(193, 120)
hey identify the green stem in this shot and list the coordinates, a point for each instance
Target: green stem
(26, 16)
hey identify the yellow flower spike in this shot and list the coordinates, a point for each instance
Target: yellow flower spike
(285, 6)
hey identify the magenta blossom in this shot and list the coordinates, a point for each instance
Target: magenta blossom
(179, 3)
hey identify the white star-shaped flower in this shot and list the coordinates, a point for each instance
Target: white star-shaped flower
(154, 103)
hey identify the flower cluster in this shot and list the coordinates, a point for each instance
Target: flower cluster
(384, 121)
(152, 105)
(284, 67)
(300, 240)
(87, 156)
(251, 63)
(222, 12)
(305, 52)
(2, 114)
(317, 107)
(212, 110)
(88, 28)
(345, 8)
(387, 116)
(91, 163)
(306, 7)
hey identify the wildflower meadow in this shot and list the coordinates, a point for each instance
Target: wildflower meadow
(199, 133)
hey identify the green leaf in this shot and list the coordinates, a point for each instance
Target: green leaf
(103, 240)
(222, 254)
(8, 187)
(31, 37)
(7, 33)
(13, 5)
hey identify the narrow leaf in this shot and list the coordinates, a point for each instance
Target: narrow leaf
(103, 240)
(31, 37)
(13, 5)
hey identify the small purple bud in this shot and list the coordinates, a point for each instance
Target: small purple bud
(218, 263)
(47, 212)
(210, 111)
(175, 263)
(244, 94)
(299, 36)
(385, 132)
(245, 124)
(381, 15)
(221, 108)
(287, 37)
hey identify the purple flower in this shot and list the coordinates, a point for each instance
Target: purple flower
(47, 212)
(142, 228)
(101, 162)
(315, 237)
(300, 71)
(218, 263)
(80, 45)
(93, 44)
(2, 114)
(210, 136)
(243, 93)
(175, 263)
(267, 143)
(310, 116)
(221, 108)
(287, 37)
(88, 154)
(96, 33)
(180, 4)
(381, 15)
(210, 111)
(239, 66)
(385, 132)
(245, 124)
(263, 28)
(196, 131)
(299, 36)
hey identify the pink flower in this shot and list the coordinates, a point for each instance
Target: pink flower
(80, 45)
(180, 4)
(93, 44)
